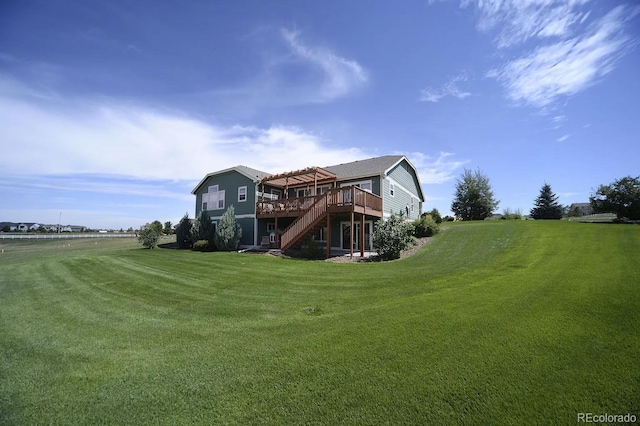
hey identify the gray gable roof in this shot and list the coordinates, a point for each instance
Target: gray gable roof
(253, 174)
(376, 166)
(369, 167)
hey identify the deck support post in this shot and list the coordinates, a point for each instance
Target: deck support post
(277, 233)
(351, 236)
(328, 236)
(362, 236)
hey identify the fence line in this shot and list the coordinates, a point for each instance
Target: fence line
(6, 236)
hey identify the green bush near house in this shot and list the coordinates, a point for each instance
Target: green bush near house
(500, 322)
(425, 226)
(392, 236)
(202, 245)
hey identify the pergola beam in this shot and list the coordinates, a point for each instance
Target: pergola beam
(309, 176)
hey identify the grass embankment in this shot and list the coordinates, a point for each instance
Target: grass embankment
(502, 322)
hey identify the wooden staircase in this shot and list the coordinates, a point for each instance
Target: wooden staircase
(306, 224)
(341, 200)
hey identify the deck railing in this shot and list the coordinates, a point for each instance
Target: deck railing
(338, 197)
(289, 205)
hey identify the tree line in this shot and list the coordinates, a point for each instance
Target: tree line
(474, 199)
(199, 234)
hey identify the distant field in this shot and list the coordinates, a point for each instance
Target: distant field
(502, 322)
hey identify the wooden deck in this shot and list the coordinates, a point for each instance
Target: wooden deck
(345, 199)
(312, 213)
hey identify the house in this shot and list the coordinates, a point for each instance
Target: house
(584, 209)
(336, 205)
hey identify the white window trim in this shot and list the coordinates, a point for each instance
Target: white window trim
(358, 183)
(213, 198)
(245, 194)
(221, 200)
(392, 189)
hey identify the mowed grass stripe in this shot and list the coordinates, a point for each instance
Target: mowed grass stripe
(489, 323)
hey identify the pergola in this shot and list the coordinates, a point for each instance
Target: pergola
(311, 176)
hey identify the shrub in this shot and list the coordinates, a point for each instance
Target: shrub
(435, 214)
(314, 251)
(426, 226)
(149, 235)
(392, 236)
(507, 214)
(201, 245)
(448, 218)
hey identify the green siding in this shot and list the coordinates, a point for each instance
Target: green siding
(405, 188)
(229, 182)
(244, 211)
(247, 231)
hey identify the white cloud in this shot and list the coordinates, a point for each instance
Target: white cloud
(570, 65)
(563, 138)
(75, 137)
(520, 20)
(291, 73)
(435, 170)
(341, 76)
(450, 88)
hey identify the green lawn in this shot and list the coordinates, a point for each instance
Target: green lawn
(490, 323)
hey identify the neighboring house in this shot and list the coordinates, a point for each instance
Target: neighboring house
(584, 208)
(30, 226)
(287, 209)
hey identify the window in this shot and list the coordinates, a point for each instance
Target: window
(214, 198)
(276, 194)
(366, 185)
(392, 189)
(301, 192)
(412, 205)
(242, 194)
(204, 206)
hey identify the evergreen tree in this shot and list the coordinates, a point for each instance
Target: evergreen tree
(203, 228)
(183, 232)
(167, 228)
(474, 198)
(228, 234)
(546, 205)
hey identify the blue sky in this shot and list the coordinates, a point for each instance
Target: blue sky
(112, 111)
